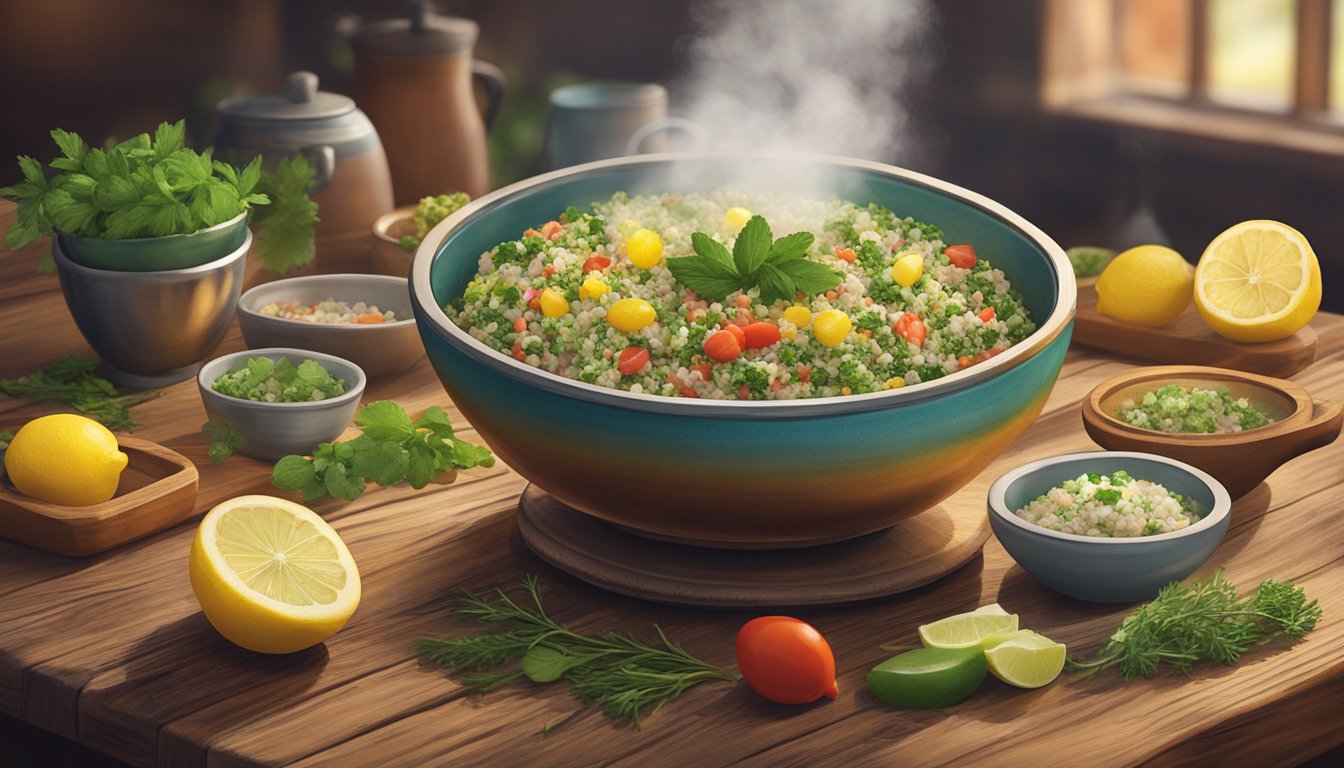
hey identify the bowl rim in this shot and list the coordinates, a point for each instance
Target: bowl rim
(70, 265)
(1047, 331)
(384, 222)
(1302, 403)
(1222, 500)
(244, 309)
(353, 392)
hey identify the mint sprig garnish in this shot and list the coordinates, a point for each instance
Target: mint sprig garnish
(778, 268)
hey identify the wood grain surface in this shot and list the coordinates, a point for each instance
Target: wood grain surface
(1188, 341)
(113, 651)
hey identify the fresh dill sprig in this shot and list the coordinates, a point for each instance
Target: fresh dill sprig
(624, 676)
(1203, 621)
(72, 382)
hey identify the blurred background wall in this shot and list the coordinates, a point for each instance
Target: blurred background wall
(977, 114)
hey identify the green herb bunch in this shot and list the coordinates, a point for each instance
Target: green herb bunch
(624, 676)
(142, 187)
(287, 227)
(393, 448)
(1203, 621)
(279, 381)
(73, 382)
(779, 268)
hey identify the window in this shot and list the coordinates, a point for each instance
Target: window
(1270, 71)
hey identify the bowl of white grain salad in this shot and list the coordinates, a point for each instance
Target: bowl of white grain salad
(1109, 526)
(363, 318)
(744, 351)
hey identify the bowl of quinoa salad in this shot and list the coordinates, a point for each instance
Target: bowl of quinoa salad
(1109, 526)
(363, 318)
(1237, 426)
(880, 378)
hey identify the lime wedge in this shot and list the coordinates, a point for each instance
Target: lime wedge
(929, 678)
(968, 630)
(1026, 659)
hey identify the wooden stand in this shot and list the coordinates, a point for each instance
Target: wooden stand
(908, 555)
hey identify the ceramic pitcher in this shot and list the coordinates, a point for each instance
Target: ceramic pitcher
(595, 121)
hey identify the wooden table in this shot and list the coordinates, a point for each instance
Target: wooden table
(113, 651)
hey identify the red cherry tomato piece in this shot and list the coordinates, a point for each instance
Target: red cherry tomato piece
(723, 346)
(987, 314)
(737, 333)
(631, 360)
(911, 328)
(551, 230)
(961, 255)
(845, 254)
(596, 264)
(786, 660)
(760, 335)
(705, 369)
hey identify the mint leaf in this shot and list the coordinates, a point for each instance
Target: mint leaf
(384, 463)
(72, 149)
(168, 138)
(224, 441)
(752, 246)
(709, 248)
(292, 473)
(341, 484)
(385, 420)
(422, 466)
(466, 455)
(774, 284)
(285, 228)
(809, 276)
(790, 247)
(707, 277)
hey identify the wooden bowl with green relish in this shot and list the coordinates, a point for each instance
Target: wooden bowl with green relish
(1115, 416)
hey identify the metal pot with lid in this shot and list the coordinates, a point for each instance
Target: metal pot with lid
(353, 185)
(414, 76)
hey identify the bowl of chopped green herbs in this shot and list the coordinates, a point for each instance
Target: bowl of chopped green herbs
(282, 401)
(1187, 513)
(1239, 427)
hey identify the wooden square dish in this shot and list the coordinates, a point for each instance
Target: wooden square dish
(157, 490)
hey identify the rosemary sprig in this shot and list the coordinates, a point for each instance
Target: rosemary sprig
(72, 382)
(623, 675)
(1203, 621)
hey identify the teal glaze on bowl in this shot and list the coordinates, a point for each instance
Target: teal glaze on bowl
(1101, 569)
(157, 254)
(746, 473)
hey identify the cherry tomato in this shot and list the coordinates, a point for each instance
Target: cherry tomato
(760, 335)
(551, 230)
(723, 346)
(786, 660)
(596, 264)
(737, 333)
(911, 328)
(961, 255)
(631, 360)
(987, 314)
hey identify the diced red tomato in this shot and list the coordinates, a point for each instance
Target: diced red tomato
(760, 335)
(530, 232)
(518, 353)
(631, 360)
(596, 264)
(961, 255)
(688, 392)
(744, 392)
(805, 373)
(551, 230)
(519, 325)
(986, 314)
(548, 270)
(744, 316)
(706, 370)
(911, 328)
(845, 254)
(723, 346)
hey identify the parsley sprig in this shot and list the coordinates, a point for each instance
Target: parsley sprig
(393, 448)
(623, 675)
(1203, 621)
(779, 268)
(73, 381)
(286, 228)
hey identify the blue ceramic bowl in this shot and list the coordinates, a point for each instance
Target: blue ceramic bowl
(1104, 570)
(746, 473)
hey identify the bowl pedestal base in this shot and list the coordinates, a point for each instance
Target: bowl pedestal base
(910, 554)
(140, 381)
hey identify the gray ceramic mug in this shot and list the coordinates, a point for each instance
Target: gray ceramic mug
(596, 121)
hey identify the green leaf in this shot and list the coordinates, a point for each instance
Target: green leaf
(341, 484)
(385, 420)
(422, 466)
(314, 490)
(292, 473)
(250, 177)
(809, 276)
(707, 277)
(712, 249)
(260, 367)
(312, 373)
(467, 455)
(774, 284)
(790, 247)
(168, 138)
(285, 227)
(383, 462)
(546, 665)
(752, 246)
(224, 440)
(72, 148)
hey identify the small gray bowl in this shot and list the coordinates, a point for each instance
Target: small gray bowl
(272, 430)
(1107, 570)
(380, 349)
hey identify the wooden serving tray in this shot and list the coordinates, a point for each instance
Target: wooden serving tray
(157, 490)
(1188, 341)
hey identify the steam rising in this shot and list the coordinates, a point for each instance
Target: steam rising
(816, 76)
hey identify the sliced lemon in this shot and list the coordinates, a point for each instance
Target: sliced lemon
(271, 575)
(1258, 281)
(967, 630)
(1026, 659)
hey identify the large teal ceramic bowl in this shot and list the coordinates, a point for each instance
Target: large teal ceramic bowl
(1106, 570)
(746, 473)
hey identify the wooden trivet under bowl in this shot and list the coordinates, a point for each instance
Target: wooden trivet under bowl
(910, 554)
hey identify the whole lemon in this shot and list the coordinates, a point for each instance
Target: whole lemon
(65, 459)
(1147, 285)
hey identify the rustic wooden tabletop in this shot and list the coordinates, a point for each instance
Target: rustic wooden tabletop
(112, 650)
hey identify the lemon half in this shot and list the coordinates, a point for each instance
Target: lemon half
(1258, 281)
(271, 575)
